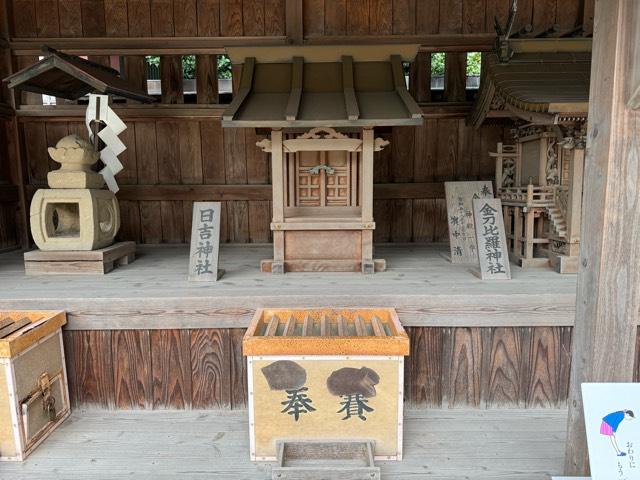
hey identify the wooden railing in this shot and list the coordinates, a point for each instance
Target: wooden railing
(529, 196)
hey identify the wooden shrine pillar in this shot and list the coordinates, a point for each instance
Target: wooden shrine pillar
(574, 208)
(277, 179)
(608, 277)
(367, 199)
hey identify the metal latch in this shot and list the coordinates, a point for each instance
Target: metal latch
(48, 401)
(316, 170)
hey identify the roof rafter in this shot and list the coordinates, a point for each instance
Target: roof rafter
(350, 100)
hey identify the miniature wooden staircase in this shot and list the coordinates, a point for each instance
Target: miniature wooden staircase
(558, 221)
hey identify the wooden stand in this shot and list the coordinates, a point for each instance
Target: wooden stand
(38, 262)
(325, 460)
(322, 202)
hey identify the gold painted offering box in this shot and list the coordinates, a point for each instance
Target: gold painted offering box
(325, 374)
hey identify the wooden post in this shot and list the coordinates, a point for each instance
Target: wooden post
(499, 167)
(608, 277)
(17, 167)
(529, 233)
(367, 198)
(277, 179)
(517, 233)
(293, 20)
(574, 203)
(367, 174)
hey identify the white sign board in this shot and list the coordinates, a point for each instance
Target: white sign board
(462, 232)
(205, 242)
(611, 412)
(493, 254)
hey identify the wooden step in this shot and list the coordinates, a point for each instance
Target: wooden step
(325, 460)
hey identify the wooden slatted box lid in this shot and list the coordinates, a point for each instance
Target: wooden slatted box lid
(21, 329)
(325, 331)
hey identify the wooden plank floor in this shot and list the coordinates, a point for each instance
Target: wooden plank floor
(154, 292)
(171, 445)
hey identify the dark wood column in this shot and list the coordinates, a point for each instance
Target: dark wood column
(609, 277)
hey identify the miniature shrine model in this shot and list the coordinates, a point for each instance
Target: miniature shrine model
(322, 179)
(543, 85)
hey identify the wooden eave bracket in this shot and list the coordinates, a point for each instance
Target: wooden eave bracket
(246, 81)
(350, 100)
(293, 105)
(401, 88)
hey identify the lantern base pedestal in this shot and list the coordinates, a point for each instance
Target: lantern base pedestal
(40, 262)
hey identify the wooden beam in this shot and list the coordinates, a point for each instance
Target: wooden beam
(472, 42)
(381, 191)
(65, 113)
(401, 87)
(608, 277)
(139, 45)
(216, 45)
(243, 91)
(350, 100)
(293, 105)
(294, 21)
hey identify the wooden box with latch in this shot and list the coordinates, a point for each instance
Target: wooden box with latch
(34, 396)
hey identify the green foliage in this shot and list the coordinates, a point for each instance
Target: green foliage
(189, 65)
(224, 66)
(437, 64)
(474, 61)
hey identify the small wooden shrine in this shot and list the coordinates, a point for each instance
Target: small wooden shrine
(543, 85)
(322, 178)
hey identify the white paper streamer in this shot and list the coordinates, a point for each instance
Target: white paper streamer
(113, 126)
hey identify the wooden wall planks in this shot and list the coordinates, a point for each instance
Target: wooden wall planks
(210, 18)
(199, 152)
(448, 368)
(424, 17)
(127, 369)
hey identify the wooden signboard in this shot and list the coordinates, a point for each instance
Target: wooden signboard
(493, 254)
(611, 417)
(205, 242)
(462, 233)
